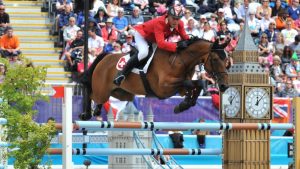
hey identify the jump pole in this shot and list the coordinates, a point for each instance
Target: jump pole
(127, 151)
(154, 126)
(67, 128)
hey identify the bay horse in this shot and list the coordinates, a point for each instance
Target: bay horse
(166, 75)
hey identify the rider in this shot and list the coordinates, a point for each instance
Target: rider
(155, 31)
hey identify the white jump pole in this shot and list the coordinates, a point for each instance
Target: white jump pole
(67, 128)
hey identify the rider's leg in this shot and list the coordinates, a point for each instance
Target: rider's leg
(136, 55)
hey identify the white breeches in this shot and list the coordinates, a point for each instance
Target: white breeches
(142, 45)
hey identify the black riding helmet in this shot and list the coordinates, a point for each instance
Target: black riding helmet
(175, 12)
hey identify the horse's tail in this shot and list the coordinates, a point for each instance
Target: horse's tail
(86, 78)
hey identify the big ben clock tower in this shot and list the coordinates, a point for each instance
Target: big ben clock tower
(247, 100)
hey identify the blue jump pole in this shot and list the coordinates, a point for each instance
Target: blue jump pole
(126, 151)
(150, 126)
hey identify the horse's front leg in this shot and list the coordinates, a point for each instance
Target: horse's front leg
(193, 91)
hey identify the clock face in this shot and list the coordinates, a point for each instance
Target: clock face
(234, 99)
(258, 102)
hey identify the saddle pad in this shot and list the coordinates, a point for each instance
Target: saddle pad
(123, 60)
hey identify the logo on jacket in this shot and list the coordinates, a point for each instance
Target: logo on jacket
(122, 62)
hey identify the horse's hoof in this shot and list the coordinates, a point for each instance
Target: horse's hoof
(181, 107)
(85, 116)
(177, 109)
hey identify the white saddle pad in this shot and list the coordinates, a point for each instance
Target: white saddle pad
(123, 60)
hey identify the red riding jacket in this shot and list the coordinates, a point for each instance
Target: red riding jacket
(158, 30)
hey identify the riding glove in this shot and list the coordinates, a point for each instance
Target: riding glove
(182, 45)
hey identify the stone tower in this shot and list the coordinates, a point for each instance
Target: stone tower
(127, 139)
(248, 100)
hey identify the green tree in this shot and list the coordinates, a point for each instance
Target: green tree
(19, 91)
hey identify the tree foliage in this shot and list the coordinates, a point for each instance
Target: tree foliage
(19, 91)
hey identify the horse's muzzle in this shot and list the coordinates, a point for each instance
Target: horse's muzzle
(223, 87)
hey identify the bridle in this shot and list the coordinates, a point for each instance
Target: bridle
(214, 74)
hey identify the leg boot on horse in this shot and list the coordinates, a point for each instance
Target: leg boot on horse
(132, 62)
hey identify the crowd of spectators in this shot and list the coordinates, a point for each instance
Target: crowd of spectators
(274, 26)
(9, 42)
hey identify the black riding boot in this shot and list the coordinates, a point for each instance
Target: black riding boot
(132, 62)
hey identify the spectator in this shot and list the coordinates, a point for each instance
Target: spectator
(276, 8)
(120, 22)
(279, 44)
(296, 45)
(238, 16)
(126, 47)
(281, 20)
(265, 51)
(205, 80)
(291, 69)
(113, 8)
(61, 6)
(213, 22)
(187, 16)
(265, 22)
(191, 29)
(289, 90)
(135, 18)
(192, 3)
(177, 138)
(93, 24)
(95, 44)
(202, 21)
(74, 54)
(70, 32)
(10, 44)
(254, 25)
(4, 19)
(117, 48)
(289, 33)
(109, 31)
(80, 18)
(64, 17)
(276, 72)
(244, 8)
(271, 31)
(294, 10)
(207, 33)
(157, 6)
(221, 16)
(201, 135)
(263, 10)
(228, 12)
(286, 56)
(141, 4)
(97, 4)
(101, 17)
(223, 30)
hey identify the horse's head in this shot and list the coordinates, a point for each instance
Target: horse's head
(215, 65)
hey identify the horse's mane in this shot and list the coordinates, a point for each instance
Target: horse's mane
(194, 39)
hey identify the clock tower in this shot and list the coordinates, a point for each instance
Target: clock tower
(247, 100)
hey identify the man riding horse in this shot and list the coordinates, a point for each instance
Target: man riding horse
(155, 31)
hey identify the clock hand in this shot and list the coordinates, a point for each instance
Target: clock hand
(232, 99)
(257, 102)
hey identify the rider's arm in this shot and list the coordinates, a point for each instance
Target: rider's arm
(160, 40)
(182, 31)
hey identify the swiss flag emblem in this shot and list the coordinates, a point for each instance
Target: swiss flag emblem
(121, 63)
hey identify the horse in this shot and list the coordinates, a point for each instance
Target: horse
(169, 73)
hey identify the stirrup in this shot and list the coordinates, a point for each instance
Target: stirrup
(119, 79)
